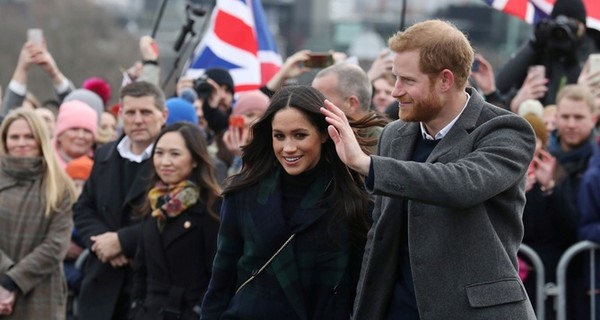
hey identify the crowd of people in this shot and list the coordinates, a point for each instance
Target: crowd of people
(399, 192)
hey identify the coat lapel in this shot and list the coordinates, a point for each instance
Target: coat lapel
(139, 185)
(404, 142)
(265, 208)
(273, 233)
(183, 224)
(153, 248)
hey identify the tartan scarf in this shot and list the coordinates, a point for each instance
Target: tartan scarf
(169, 201)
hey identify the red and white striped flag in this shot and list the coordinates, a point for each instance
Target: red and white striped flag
(238, 39)
(533, 11)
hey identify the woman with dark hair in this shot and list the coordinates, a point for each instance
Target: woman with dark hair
(178, 237)
(293, 221)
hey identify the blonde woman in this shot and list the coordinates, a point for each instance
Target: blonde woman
(35, 220)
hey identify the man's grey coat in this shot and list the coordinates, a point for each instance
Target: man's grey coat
(464, 218)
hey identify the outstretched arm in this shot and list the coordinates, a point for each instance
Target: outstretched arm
(292, 67)
(17, 88)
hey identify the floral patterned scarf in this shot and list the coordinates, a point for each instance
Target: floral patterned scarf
(169, 201)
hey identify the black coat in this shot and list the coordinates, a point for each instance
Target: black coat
(105, 205)
(177, 260)
(559, 71)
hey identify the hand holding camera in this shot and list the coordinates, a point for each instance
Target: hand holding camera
(558, 35)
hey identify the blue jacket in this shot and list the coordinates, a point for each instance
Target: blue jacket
(589, 200)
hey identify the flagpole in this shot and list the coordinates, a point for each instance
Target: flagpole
(158, 18)
(184, 48)
(402, 16)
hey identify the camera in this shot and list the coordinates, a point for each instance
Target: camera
(202, 87)
(559, 34)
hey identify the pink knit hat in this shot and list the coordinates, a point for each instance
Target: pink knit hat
(76, 114)
(251, 101)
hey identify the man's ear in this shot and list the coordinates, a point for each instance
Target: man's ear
(165, 114)
(447, 79)
(354, 104)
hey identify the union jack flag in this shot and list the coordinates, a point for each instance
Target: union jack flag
(238, 39)
(533, 11)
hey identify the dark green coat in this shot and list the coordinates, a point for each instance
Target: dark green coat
(314, 277)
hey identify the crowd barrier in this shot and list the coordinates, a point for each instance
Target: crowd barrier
(559, 290)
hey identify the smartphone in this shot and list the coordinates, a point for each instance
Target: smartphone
(236, 121)
(35, 35)
(594, 62)
(319, 60)
(475, 66)
(538, 71)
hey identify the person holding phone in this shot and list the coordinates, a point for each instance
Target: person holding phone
(34, 52)
(590, 77)
(561, 43)
(249, 107)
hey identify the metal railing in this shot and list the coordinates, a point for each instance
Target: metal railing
(540, 274)
(561, 277)
(559, 290)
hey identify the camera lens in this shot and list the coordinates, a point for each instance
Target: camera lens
(560, 33)
(202, 87)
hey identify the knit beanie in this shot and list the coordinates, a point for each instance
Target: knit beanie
(221, 77)
(88, 97)
(181, 110)
(75, 114)
(80, 168)
(251, 101)
(99, 86)
(569, 8)
(531, 106)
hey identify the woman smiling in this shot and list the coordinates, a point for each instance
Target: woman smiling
(178, 241)
(35, 220)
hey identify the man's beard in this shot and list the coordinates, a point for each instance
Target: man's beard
(424, 110)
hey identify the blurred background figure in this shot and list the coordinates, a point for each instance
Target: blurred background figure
(107, 131)
(181, 110)
(249, 107)
(561, 44)
(49, 118)
(75, 131)
(79, 171)
(35, 220)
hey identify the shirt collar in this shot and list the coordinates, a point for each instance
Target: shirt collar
(124, 149)
(445, 129)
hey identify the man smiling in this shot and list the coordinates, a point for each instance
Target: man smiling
(449, 190)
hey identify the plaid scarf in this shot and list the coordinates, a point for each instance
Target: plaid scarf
(169, 201)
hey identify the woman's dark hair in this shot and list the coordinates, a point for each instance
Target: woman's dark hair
(346, 197)
(203, 175)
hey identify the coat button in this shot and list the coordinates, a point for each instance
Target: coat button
(187, 224)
